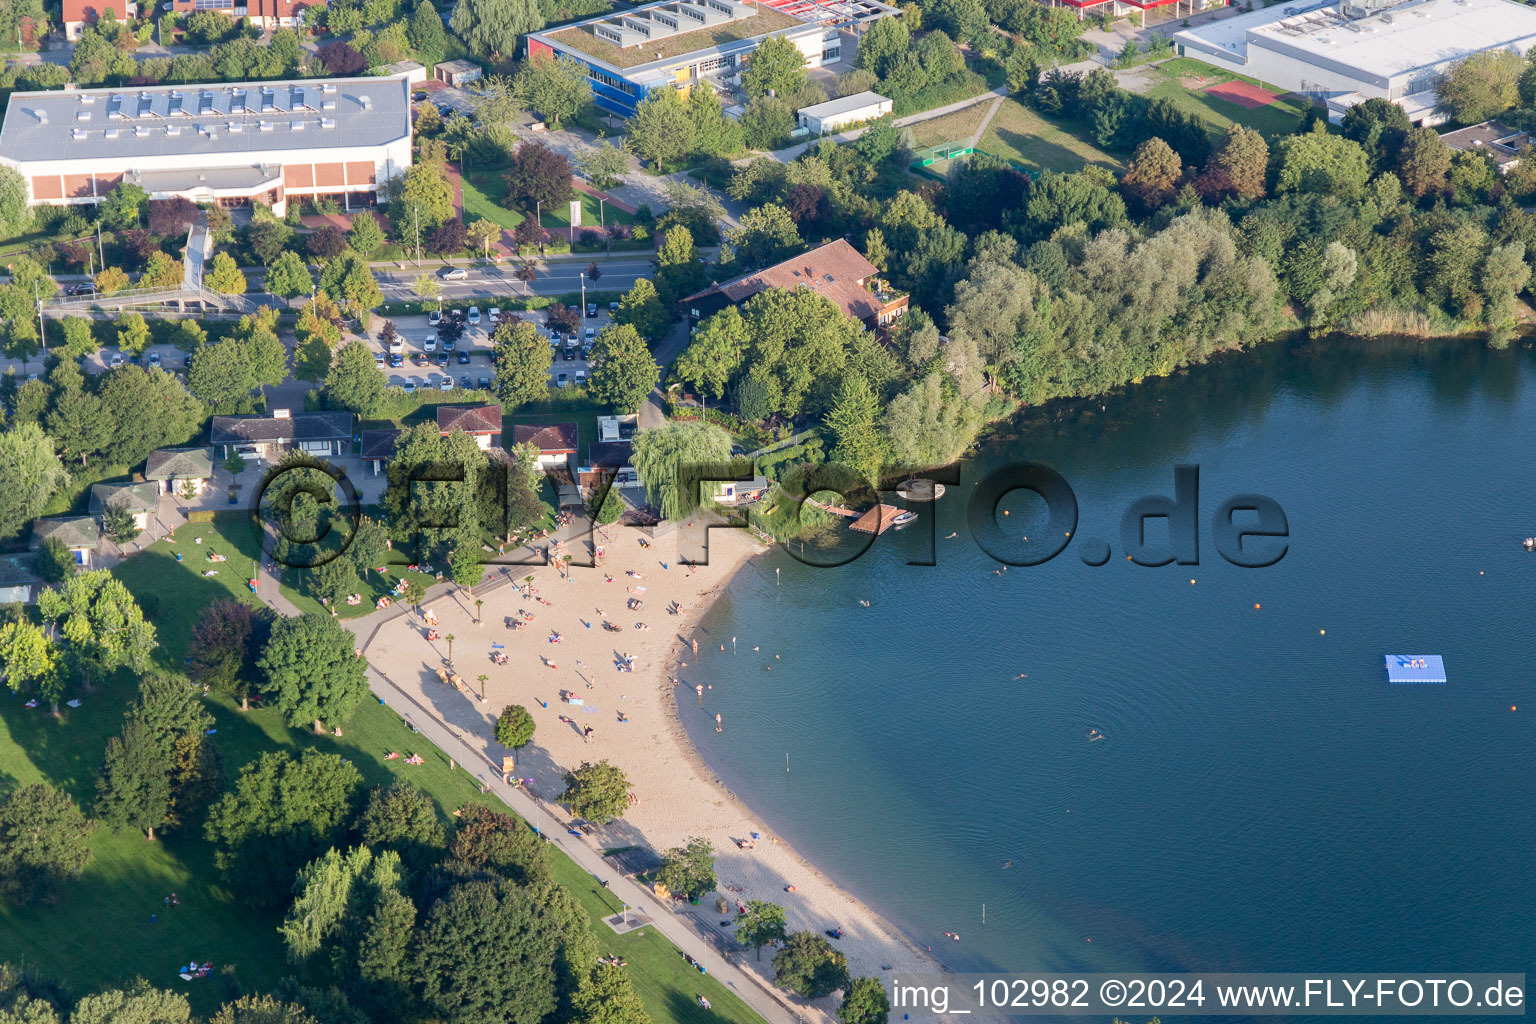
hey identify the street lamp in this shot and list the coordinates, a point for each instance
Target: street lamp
(583, 276)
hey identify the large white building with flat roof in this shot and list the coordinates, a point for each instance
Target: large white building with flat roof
(1346, 53)
(259, 143)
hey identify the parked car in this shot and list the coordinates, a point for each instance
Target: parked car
(418, 96)
(586, 351)
(410, 385)
(429, 343)
(442, 359)
(453, 273)
(591, 334)
(378, 359)
(562, 379)
(117, 360)
(420, 359)
(494, 315)
(446, 385)
(474, 315)
(80, 289)
(613, 307)
(435, 317)
(569, 353)
(154, 359)
(581, 377)
(463, 356)
(484, 384)
(591, 309)
(464, 382)
(396, 361)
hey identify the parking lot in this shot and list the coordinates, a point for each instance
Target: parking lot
(427, 355)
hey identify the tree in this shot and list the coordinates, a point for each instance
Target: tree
(538, 175)
(55, 562)
(625, 372)
(423, 195)
(556, 88)
(490, 27)
(767, 235)
(521, 356)
(172, 217)
(514, 728)
(326, 244)
(110, 280)
(313, 673)
(100, 622)
(605, 996)
(488, 952)
(641, 308)
(222, 651)
(808, 966)
(224, 275)
(404, 819)
(466, 570)
(1153, 174)
(335, 894)
(15, 214)
(506, 845)
(161, 271)
(366, 237)
(1505, 274)
(134, 786)
(354, 383)
(224, 375)
(777, 66)
(28, 659)
(261, 1009)
(1321, 163)
(349, 280)
(1379, 126)
(151, 409)
(596, 792)
(33, 473)
(282, 813)
(689, 870)
(1482, 86)
(658, 454)
(1237, 166)
(124, 206)
(426, 34)
(865, 1003)
(882, 44)
(341, 60)
(79, 422)
(852, 421)
(482, 234)
(604, 164)
(288, 277)
(1423, 162)
(660, 129)
(44, 839)
(609, 509)
(132, 333)
(449, 238)
(118, 525)
(761, 925)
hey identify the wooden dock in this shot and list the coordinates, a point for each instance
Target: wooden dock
(836, 510)
(877, 520)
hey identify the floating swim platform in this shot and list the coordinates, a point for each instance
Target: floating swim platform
(1415, 668)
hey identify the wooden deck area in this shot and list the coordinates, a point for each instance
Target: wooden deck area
(836, 510)
(877, 520)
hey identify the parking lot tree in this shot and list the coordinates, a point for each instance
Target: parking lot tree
(596, 792)
(110, 280)
(288, 277)
(555, 88)
(604, 164)
(44, 840)
(490, 28)
(641, 308)
(521, 357)
(349, 281)
(326, 244)
(224, 275)
(366, 236)
(132, 333)
(625, 370)
(354, 382)
(561, 317)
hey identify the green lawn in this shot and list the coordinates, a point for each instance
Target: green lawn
(1019, 134)
(100, 933)
(483, 191)
(1276, 119)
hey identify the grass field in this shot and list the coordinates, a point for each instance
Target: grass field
(1278, 118)
(956, 127)
(1024, 137)
(100, 932)
(484, 189)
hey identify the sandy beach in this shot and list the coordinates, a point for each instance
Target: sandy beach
(677, 797)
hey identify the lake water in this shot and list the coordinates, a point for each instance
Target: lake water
(1263, 800)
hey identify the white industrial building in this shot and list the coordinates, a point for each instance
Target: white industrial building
(835, 115)
(1345, 53)
(257, 143)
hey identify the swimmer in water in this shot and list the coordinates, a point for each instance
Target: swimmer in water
(1022, 675)
(952, 536)
(1007, 863)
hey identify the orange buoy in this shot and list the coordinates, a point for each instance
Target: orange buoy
(1191, 582)
(1322, 632)
(1512, 707)
(1255, 607)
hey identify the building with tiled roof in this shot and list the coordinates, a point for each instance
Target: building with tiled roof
(80, 13)
(268, 437)
(835, 270)
(482, 422)
(175, 468)
(139, 500)
(556, 442)
(79, 534)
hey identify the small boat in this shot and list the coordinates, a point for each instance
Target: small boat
(904, 517)
(919, 489)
